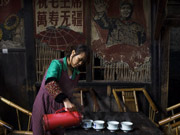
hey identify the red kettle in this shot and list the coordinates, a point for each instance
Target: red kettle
(63, 119)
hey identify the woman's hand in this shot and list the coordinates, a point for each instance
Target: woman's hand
(68, 105)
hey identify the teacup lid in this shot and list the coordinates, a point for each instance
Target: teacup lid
(87, 120)
(127, 122)
(113, 122)
(99, 121)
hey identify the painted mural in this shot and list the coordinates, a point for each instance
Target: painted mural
(59, 23)
(121, 38)
(11, 24)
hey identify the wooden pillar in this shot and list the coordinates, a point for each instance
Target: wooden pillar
(88, 37)
(165, 50)
(30, 50)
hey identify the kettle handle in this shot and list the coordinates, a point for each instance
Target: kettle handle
(60, 110)
(63, 109)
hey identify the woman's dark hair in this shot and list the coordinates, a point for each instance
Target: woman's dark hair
(79, 49)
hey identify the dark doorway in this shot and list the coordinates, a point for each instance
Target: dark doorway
(174, 67)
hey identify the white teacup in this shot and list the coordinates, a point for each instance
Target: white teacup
(87, 123)
(98, 124)
(126, 125)
(113, 124)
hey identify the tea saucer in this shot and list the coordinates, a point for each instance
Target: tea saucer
(126, 130)
(98, 129)
(112, 129)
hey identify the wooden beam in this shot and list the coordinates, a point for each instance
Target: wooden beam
(161, 14)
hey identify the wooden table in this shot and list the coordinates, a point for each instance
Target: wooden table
(142, 125)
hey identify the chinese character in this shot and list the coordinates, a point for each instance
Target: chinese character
(77, 18)
(65, 2)
(54, 3)
(76, 3)
(53, 17)
(42, 18)
(65, 18)
(42, 3)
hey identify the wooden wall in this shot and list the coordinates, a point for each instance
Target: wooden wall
(17, 74)
(13, 78)
(168, 17)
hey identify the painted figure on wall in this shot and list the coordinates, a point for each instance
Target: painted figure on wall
(122, 30)
(121, 38)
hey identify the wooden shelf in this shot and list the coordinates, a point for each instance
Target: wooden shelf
(13, 50)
